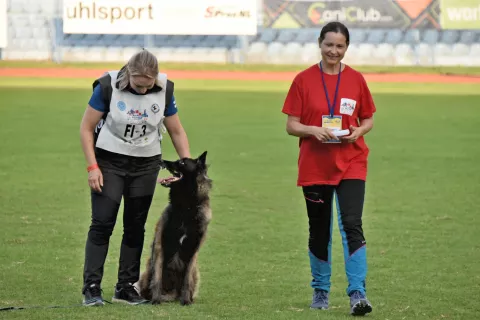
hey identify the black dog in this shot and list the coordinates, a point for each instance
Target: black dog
(172, 272)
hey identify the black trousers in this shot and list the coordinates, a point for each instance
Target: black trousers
(319, 202)
(137, 192)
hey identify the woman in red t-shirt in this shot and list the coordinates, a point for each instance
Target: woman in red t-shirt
(324, 100)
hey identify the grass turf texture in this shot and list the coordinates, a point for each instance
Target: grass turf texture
(421, 210)
(448, 70)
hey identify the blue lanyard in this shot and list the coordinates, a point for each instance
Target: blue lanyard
(331, 108)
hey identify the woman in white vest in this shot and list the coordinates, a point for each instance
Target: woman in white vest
(121, 132)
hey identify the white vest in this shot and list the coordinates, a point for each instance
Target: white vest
(132, 126)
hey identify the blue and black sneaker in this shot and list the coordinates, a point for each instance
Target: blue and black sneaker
(359, 304)
(319, 299)
(93, 296)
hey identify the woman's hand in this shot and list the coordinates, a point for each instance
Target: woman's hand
(95, 180)
(322, 134)
(355, 133)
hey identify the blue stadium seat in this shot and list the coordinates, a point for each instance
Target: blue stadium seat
(394, 36)
(307, 36)
(267, 35)
(449, 36)
(160, 40)
(468, 36)
(230, 41)
(431, 36)
(109, 40)
(286, 35)
(411, 36)
(71, 39)
(375, 36)
(358, 36)
(90, 40)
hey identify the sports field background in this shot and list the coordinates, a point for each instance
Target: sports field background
(421, 213)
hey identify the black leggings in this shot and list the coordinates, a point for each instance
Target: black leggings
(350, 197)
(319, 208)
(137, 192)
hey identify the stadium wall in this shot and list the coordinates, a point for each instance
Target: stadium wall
(406, 34)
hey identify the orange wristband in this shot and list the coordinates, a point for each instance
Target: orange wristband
(92, 167)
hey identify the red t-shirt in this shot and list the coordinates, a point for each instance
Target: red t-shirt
(329, 163)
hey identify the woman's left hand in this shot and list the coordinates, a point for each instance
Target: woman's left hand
(355, 133)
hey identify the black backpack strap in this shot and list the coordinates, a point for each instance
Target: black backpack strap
(169, 93)
(105, 82)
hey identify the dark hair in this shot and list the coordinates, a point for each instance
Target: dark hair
(336, 27)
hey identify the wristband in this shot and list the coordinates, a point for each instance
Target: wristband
(92, 167)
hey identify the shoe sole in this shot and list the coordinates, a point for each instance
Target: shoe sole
(316, 308)
(361, 308)
(93, 303)
(116, 300)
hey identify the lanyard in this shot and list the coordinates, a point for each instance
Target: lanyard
(331, 108)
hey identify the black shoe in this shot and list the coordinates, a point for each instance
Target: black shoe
(127, 294)
(93, 296)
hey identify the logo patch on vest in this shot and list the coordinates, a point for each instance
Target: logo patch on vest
(155, 108)
(135, 116)
(121, 106)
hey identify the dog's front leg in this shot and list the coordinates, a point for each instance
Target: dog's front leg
(157, 263)
(189, 252)
(156, 284)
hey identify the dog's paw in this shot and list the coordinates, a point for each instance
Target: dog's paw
(184, 301)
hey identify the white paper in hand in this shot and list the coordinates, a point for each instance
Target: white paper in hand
(341, 133)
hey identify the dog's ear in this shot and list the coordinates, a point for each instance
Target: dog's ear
(202, 158)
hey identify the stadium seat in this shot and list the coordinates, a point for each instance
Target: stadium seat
(286, 35)
(274, 52)
(430, 36)
(375, 36)
(475, 50)
(267, 35)
(424, 53)
(383, 53)
(468, 36)
(292, 53)
(461, 49)
(449, 37)
(310, 53)
(365, 52)
(357, 36)
(256, 52)
(305, 36)
(404, 54)
(411, 36)
(393, 36)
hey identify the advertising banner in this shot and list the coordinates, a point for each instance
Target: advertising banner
(385, 14)
(188, 17)
(3, 23)
(460, 14)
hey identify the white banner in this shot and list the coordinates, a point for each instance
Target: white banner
(186, 17)
(3, 24)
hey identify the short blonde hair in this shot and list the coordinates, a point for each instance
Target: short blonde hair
(142, 63)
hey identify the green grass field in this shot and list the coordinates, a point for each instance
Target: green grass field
(421, 212)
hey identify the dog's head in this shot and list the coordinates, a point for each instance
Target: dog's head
(186, 169)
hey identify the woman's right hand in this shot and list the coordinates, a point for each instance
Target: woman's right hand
(322, 134)
(95, 180)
